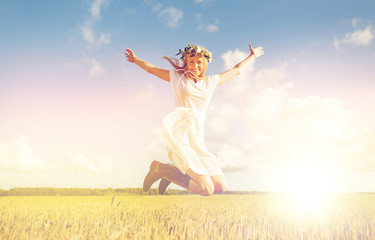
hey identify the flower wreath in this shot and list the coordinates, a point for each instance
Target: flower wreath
(195, 49)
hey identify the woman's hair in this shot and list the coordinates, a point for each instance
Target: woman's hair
(176, 63)
(181, 66)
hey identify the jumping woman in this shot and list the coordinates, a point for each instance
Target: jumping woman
(194, 167)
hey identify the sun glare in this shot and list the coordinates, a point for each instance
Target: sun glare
(309, 187)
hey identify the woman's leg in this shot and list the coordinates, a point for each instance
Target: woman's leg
(201, 184)
(163, 185)
(219, 183)
(169, 172)
(206, 185)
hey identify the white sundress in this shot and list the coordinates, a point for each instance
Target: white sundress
(183, 129)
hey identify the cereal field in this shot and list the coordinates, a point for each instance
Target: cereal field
(350, 216)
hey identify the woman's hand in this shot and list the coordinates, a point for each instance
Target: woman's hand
(148, 67)
(235, 71)
(257, 52)
(130, 56)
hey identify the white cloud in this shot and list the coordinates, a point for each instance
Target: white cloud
(92, 39)
(336, 43)
(205, 2)
(96, 7)
(157, 7)
(18, 156)
(79, 162)
(105, 38)
(171, 16)
(360, 37)
(355, 22)
(254, 124)
(206, 27)
(212, 28)
(231, 58)
(87, 29)
(87, 33)
(96, 69)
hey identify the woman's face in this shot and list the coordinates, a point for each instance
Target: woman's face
(195, 64)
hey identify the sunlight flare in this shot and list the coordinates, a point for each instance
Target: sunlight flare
(310, 186)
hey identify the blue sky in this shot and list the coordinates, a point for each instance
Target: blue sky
(72, 108)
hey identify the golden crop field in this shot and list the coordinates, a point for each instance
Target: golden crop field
(350, 216)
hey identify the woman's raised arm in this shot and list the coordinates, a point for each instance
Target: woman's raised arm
(159, 72)
(236, 70)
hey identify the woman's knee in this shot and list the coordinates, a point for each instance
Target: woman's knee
(220, 187)
(219, 183)
(203, 183)
(207, 189)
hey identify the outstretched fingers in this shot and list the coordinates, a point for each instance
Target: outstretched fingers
(257, 52)
(129, 55)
